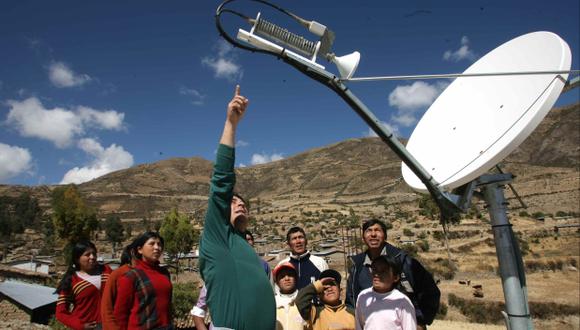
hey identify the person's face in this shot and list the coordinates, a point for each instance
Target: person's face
(331, 293)
(297, 243)
(250, 240)
(239, 214)
(151, 251)
(286, 280)
(374, 236)
(88, 260)
(383, 278)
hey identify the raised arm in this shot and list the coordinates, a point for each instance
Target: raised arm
(217, 227)
(236, 110)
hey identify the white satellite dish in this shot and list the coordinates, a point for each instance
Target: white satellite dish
(478, 121)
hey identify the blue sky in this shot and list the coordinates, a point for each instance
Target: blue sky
(91, 87)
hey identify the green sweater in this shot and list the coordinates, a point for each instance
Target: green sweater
(239, 294)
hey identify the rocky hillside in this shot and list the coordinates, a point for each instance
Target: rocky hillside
(358, 173)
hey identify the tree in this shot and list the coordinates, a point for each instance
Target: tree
(178, 234)
(129, 231)
(353, 219)
(27, 213)
(18, 213)
(114, 230)
(73, 220)
(428, 207)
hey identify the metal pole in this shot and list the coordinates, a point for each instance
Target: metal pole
(508, 254)
(447, 202)
(344, 250)
(458, 75)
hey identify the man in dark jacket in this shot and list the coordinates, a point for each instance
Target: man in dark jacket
(416, 282)
(307, 266)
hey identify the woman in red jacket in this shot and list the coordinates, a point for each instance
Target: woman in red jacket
(80, 290)
(144, 293)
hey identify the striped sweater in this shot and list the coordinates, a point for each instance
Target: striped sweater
(82, 303)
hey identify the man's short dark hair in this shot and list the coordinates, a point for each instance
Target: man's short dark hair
(373, 222)
(294, 230)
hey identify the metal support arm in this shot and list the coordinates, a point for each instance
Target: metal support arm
(448, 203)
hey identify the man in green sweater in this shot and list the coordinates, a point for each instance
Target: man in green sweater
(239, 295)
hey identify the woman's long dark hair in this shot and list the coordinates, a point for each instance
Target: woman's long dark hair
(141, 240)
(76, 252)
(126, 255)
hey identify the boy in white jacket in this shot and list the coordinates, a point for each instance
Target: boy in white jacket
(382, 306)
(287, 315)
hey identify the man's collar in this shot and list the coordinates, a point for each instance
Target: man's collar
(367, 262)
(300, 257)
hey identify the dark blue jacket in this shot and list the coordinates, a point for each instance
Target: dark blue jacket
(308, 268)
(416, 282)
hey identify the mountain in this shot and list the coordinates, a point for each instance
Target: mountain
(360, 173)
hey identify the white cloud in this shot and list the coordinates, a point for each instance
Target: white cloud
(392, 128)
(410, 101)
(13, 161)
(104, 161)
(241, 165)
(265, 158)
(62, 76)
(224, 64)
(404, 119)
(107, 119)
(415, 96)
(463, 53)
(58, 125)
(198, 98)
(242, 143)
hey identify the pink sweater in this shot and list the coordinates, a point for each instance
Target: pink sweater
(391, 310)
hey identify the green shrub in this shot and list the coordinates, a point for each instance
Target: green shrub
(442, 268)
(561, 214)
(442, 312)
(490, 312)
(411, 249)
(478, 311)
(184, 298)
(423, 245)
(524, 214)
(438, 235)
(547, 310)
(408, 232)
(54, 324)
(538, 215)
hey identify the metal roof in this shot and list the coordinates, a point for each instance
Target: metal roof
(326, 252)
(32, 296)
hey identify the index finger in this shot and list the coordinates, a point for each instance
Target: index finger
(237, 92)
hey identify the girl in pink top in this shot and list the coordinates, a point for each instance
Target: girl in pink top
(382, 306)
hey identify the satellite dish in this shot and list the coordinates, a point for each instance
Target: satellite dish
(478, 121)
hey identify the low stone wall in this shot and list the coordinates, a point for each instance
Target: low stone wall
(11, 312)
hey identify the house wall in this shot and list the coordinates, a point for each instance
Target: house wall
(33, 267)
